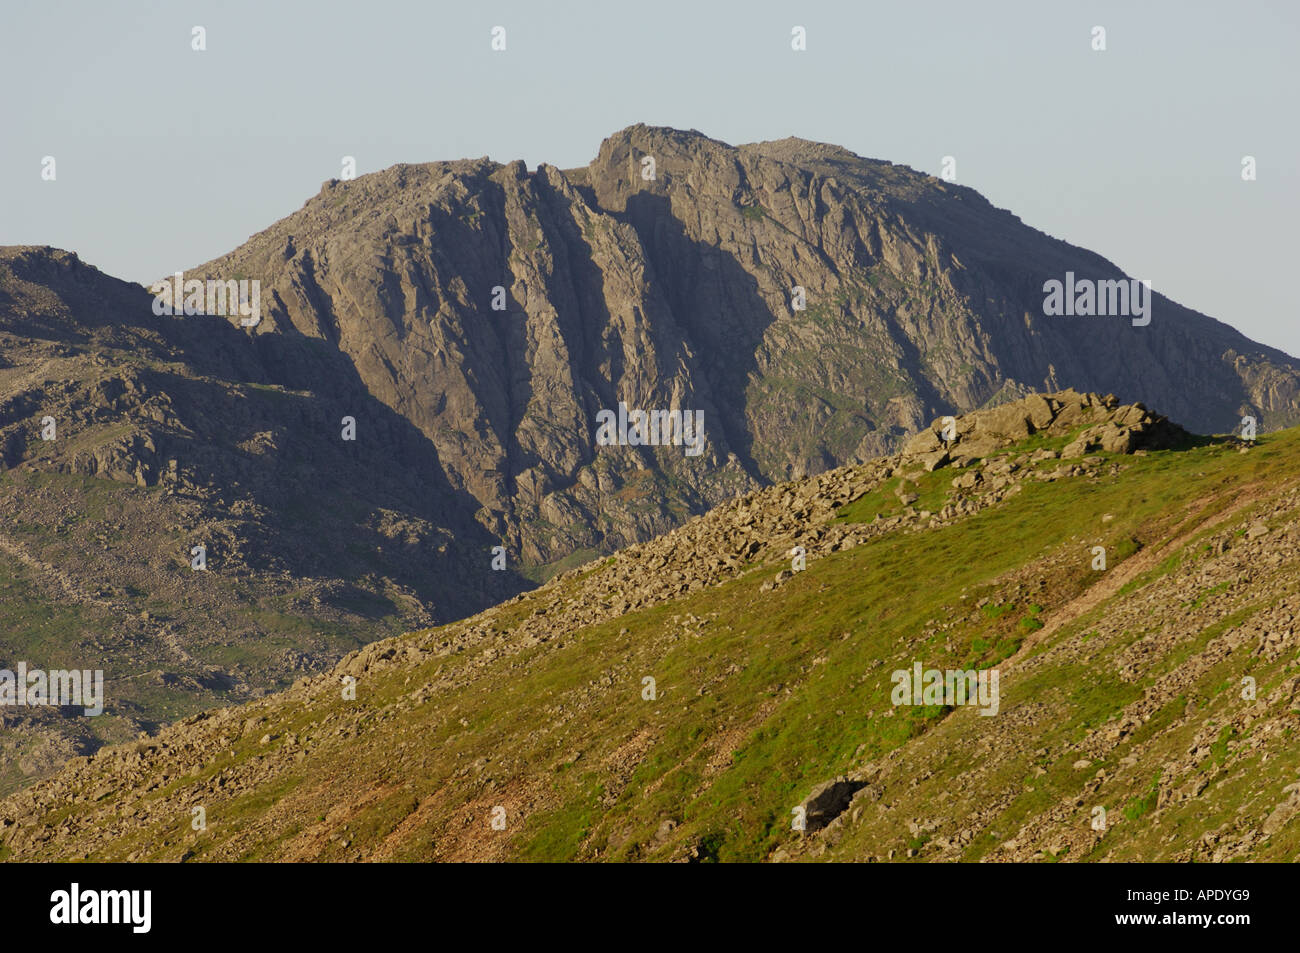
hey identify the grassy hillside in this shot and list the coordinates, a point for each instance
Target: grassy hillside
(1120, 689)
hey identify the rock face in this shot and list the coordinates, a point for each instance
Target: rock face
(499, 310)
(201, 412)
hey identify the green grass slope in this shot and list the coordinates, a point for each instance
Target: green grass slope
(1121, 690)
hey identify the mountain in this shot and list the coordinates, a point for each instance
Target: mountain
(415, 428)
(691, 697)
(920, 299)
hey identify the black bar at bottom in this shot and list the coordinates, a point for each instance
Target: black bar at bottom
(335, 903)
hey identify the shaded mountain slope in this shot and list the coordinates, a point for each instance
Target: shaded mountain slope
(170, 434)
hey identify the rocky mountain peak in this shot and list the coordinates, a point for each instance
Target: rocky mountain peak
(816, 306)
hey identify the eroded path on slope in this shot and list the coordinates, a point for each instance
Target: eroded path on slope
(1203, 515)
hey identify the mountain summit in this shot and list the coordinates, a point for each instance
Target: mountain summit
(816, 306)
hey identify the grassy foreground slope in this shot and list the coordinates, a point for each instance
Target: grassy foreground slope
(1121, 689)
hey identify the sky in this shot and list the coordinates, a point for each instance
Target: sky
(167, 156)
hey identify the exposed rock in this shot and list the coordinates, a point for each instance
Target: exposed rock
(676, 292)
(827, 801)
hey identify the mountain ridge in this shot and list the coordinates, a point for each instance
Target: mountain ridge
(922, 298)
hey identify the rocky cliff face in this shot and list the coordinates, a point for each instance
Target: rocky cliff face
(499, 310)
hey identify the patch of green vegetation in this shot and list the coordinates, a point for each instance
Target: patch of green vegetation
(546, 571)
(710, 847)
(1096, 696)
(930, 490)
(1029, 623)
(994, 610)
(1208, 594)
(1166, 566)
(45, 631)
(1219, 747)
(562, 832)
(1144, 804)
(918, 842)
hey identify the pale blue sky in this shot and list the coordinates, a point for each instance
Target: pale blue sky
(168, 157)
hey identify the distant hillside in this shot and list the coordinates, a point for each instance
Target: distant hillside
(170, 434)
(1162, 690)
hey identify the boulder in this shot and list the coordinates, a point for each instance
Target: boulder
(933, 461)
(1010, 421)
(827, 801)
